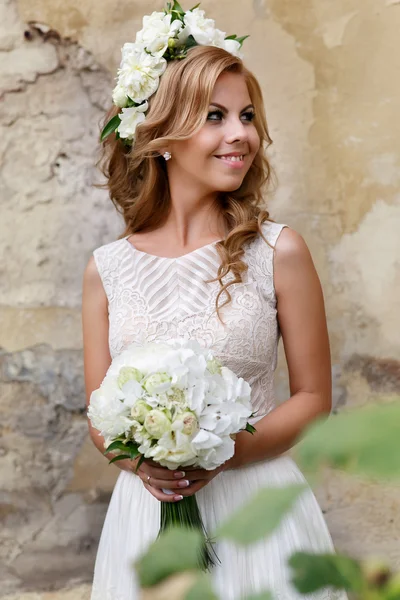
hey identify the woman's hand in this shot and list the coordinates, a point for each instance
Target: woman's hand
(183, 482)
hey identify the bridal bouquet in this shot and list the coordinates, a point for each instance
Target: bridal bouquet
(175, 403)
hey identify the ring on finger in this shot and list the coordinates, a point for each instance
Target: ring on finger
(148, 479)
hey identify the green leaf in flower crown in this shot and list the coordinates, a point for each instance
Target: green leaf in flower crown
(202, 589)
(261, 596)
(120, 457)
(178, 8)
(364, 441)
(174, 551)
(195, 6)
(231, 37)
(259, 517)
(241, 39)
(110, 127)
(312, 572)
(190, 42)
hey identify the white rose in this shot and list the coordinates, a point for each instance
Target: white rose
(157, 383)
(139, 73)
(130, 119)
(186, 422)
(119, 96)
(202, 29)
(173, 450)
(127, 374)
(233, 47)
(156, 32)
(157, 423)
(139, 411)
(108, 413)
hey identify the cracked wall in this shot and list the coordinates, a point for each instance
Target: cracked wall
(330, 76)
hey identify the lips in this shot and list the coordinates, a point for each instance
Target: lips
(232, 157)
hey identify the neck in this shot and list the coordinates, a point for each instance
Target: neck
(194, 216)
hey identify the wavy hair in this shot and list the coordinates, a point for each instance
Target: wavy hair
(137, 178)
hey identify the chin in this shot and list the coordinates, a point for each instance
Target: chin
(230, 187)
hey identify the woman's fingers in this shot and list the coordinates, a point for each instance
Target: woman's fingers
(161, 472)
(169, 484)
(193, 487)
(159, 494)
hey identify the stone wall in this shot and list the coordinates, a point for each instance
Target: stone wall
(330, 76)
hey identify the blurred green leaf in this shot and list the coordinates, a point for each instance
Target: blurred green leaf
(261, 515)
(110, 127)
(177, 7)
(202, 589)
(250, 428)
(313, 572)
(241, 39)
(175, 551)
(261, 596)
(364, 441)
(117, 445)
(117, 458)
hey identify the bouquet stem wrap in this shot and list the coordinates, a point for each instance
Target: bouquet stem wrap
(172, 402)
(186, 513)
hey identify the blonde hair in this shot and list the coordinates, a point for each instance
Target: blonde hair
(137, 178)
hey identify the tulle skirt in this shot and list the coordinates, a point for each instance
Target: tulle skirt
(132, 523)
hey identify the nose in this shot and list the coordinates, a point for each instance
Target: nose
(236, 131)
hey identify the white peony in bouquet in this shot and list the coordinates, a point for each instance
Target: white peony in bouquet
(172, 402)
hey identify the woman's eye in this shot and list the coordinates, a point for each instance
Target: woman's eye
(215, 115)
(249, 116)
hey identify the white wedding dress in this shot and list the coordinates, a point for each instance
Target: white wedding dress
(157, 298)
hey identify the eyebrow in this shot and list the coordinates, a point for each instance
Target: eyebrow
(226, 110)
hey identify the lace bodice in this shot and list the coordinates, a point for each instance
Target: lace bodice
(158, 298)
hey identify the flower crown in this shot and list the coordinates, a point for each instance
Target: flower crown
(165, 36)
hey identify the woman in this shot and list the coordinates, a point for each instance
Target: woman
(190, 191)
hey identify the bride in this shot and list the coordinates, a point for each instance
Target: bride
(200, 258)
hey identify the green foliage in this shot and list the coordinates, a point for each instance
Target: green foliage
(250, 428)
(364, 442)
(174, 551)
(110, 127)
(261, 515)
(314, 572)
(129, 449)
(202, 589)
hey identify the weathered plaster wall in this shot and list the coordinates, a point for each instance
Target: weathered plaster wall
(330, 72)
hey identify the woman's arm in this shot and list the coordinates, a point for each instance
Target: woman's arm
(96, 352)
(97, 359)
(302, 320)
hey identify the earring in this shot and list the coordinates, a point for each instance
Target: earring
(167, 155)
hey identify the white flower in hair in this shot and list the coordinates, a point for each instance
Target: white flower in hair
(139, 73)
(156, 32)
(203, 30)
(119, 96)
(233, 47)
(130, 119)
(164, 37)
